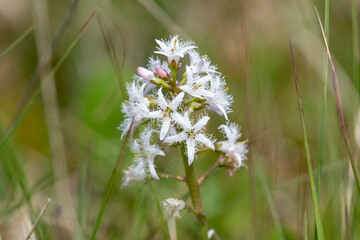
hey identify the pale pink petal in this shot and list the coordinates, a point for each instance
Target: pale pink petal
(145, 73)
(222, 110)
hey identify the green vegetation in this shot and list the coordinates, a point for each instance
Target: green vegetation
(63, 68)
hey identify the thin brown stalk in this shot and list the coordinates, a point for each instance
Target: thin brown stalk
(318, 221)
(52, 112)
(112, 53)
(202, 178)
(340, 112)
(249, 130)
(169, 176)
(42, 212)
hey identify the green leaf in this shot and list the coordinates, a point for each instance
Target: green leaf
(17, 41)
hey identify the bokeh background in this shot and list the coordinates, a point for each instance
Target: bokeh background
(65, 145)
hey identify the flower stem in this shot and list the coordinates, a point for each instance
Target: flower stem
(194, 193)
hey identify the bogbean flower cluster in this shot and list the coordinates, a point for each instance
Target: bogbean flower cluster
(168, 107)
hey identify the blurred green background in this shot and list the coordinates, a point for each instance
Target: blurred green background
(66, 145)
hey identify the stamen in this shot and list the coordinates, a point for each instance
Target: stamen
(196, 87)
(226, 89)
(126, 102)
(141, 155)
(173, 49)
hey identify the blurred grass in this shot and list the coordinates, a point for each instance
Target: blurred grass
(89, 97)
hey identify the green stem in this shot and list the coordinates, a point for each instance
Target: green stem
(174, 79)
(323, 108)
(194, 193)
(355, 42)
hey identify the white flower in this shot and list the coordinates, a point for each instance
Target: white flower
(200, 64)
(134, 174)
(234, 150)
(220, 99)
(135, 110)
(145, 153)
(174, 50)
(166, 111)
(173, 207)
(210, 233)
(192, 134)
(196, 85)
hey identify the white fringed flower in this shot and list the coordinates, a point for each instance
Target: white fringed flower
(192, 134)
(200, 64)
(145, 153)
(173, 207)
(196, 85)
(135, 110)
(234, 150)
(134, 174)
(220, 100)
(174, 50)
(166, 111)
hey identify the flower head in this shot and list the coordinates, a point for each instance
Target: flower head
(173, 207)
(192, 134)
(174, 50)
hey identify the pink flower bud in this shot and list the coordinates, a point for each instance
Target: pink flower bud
(162, 73)
(146, 74)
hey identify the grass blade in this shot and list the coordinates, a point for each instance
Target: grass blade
(164, 227)
(17, 41)
(324, 100)
(318, 221)
(340, 112)
(323, 107)
(38, 219)
(113, 183)
(31, 101)
(32, 82)
(111, 50)
(163, 17)
(274, 214)
(355, 42)
(305, 225)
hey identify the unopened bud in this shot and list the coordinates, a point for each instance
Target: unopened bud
(162, 73)
(145, 73)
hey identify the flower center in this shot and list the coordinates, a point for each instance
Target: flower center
(191, 134)
(173, 49)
